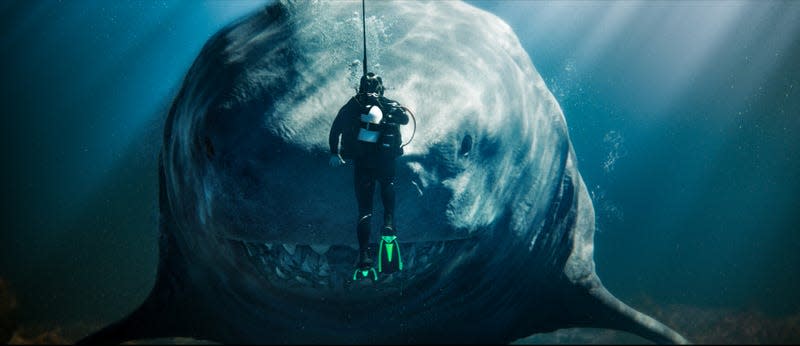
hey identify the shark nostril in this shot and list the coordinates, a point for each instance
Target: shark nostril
(466, 146)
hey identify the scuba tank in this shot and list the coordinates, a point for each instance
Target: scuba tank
(390, 139)
(370, 129)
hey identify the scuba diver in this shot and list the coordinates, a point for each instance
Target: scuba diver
(369, 126)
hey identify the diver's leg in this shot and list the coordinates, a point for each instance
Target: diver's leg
(364, 189)
(387, 182)
(388, 200)
(389, 259)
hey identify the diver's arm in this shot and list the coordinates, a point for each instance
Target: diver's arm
(337, 128)
(402, 115)
(397, 113)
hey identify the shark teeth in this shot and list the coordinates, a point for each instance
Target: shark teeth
(280, 273)
(320, 249)
(307, 265)
(324, 269)
(290, 248)
(247, 247)
(323, 265)
(302, 280)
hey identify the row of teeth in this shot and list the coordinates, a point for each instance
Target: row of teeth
(325, 265)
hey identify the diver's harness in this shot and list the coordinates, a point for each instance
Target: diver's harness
(375, 129)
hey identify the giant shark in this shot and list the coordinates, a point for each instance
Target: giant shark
(257, 233)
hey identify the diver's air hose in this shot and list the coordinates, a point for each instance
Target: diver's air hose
(414, 119)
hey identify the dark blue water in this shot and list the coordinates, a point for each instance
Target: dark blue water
(685, 117)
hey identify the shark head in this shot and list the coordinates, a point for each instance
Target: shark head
(258, 240)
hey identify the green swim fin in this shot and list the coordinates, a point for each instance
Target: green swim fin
(364, 268)
(361, 273)
(389, 259)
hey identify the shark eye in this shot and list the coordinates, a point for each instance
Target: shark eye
(466, 146)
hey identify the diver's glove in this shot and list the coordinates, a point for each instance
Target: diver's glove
(336, 161)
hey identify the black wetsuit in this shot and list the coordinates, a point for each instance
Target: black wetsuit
(373, 162)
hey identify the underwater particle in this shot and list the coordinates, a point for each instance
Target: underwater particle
(615, 144)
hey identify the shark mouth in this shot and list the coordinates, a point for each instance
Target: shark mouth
(320, 267)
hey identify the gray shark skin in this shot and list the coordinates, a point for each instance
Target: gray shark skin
(257, 233)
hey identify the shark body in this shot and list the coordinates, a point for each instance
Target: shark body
(257, 234)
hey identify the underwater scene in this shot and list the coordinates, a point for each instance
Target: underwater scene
(561, 172)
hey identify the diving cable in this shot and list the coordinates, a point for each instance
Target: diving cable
(364, 32)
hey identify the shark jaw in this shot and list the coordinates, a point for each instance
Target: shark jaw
(325, 268)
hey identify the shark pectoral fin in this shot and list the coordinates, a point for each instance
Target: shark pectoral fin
(146, 322)
(613, 313)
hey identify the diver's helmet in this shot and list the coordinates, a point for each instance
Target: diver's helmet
(371, 84)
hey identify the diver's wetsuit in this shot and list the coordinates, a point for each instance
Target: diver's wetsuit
(372, 163)
(367, 172)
